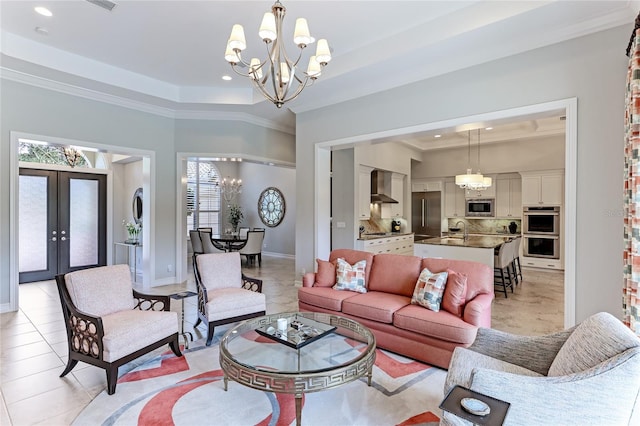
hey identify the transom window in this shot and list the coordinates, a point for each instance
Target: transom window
(203, 196)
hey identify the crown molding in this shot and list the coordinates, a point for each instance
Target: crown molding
(81, 92)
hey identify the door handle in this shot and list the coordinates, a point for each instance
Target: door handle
(422, 212)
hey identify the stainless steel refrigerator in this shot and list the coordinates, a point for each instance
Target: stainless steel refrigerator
(425, 214)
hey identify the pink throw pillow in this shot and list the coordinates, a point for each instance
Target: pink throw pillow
(455, 292)
(326, 275)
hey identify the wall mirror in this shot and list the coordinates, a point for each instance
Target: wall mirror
(271, 206)
(137, 206)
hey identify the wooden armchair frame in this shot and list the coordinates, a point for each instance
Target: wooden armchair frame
(85, 333)
(248, 283)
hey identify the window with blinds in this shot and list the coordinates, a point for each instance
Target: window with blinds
(203, 196)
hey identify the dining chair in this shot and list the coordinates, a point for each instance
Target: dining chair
(242, 232)
(206, 229)
(196, 245)
(253, 248)
(225, 294)
(208, 245)
(109, 323)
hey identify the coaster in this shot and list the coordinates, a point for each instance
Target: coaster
(475, 406)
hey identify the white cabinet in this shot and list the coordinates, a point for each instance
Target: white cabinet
(401, 244)
(418, 185)
(364, 192)
(509, 198)
(542, 188)
(396, 186)
(454, 200)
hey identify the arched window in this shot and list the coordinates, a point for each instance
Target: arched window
(203, 195)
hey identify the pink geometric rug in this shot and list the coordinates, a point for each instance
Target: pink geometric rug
(167, 390)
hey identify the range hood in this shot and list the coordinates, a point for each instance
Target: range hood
(377, 188)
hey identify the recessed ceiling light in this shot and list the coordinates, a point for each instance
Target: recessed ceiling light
(42, 31)
(226, 77)
(43, 11)
(437, 136)
(488, 128)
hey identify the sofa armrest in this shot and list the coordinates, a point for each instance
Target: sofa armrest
(604, 394)
(308, 279)
(535, 353)
(477, 311)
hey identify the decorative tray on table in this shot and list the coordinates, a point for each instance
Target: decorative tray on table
(299, 331)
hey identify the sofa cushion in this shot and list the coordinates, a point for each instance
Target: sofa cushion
(324, 297)
(232, 302)
(597, 339)
(439, 325)
(353, 256)
(454, 293)
(479, 275)
(429, 289)
(326, 275)
(375, 306)
(350, 277)
(394, 273)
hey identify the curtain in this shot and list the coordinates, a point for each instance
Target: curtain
(631, 254)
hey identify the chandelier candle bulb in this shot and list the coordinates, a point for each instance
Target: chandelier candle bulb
(323, 54)
(237, 40)
(284, 72)
(255, 68)
(267, 30)
(314, 70)
(301, 35)
(230, 55)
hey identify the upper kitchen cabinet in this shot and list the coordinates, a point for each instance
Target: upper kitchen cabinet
(490, 192)
(544, 188)
(418, 185)
(454, 200)
(364, 192)
(508, 198)
(396, 186)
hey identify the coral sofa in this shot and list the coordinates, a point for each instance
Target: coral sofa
(386, 308)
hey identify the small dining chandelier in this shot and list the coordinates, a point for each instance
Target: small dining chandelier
(229, 188)
(277, 77)
(473, 181)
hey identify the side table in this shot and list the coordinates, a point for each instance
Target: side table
(498, 408)
(181, 296)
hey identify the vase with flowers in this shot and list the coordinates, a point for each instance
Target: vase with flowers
(235, 216)
(133, 232)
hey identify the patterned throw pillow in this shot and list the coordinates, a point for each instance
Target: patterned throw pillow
(429, 289)
(350, 277)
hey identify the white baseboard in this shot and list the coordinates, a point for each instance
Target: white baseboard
(6, 307)
(280, 255)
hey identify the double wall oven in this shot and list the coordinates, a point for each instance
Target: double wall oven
(541, 232)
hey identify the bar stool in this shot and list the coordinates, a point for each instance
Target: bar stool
(501, 267)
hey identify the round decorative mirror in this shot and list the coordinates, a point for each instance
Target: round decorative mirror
(271, 206)
(137, 206)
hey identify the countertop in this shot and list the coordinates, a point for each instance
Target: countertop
(366, 237)
(488, 242)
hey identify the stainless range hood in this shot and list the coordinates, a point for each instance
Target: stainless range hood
(377, 188)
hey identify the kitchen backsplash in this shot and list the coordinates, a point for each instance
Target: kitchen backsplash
(487, 226)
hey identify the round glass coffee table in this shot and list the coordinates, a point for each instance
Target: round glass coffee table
(315, 352)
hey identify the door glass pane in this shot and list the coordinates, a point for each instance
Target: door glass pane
(83, 222)
(32, 224)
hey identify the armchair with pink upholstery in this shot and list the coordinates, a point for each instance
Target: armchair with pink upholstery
(109, 323)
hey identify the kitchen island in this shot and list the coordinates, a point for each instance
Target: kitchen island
(475, 248)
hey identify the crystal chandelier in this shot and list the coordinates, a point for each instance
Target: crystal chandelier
(278, 77)
(229, 188)
(473, 181)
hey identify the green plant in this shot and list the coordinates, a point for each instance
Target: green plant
(235, 215)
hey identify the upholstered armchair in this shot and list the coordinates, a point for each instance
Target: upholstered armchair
(587, 375)
(109, 323)
(225, 294)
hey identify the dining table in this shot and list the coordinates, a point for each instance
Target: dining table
(228, 242)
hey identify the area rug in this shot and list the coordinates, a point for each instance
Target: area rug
(167, 390)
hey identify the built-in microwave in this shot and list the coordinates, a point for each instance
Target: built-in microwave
(477, 207)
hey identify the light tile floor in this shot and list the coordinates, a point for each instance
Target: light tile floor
(33, 347)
